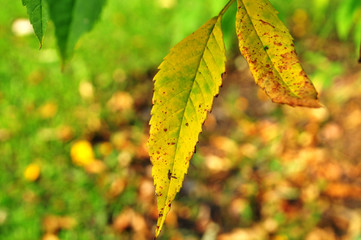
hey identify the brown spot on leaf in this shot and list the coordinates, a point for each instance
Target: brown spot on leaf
(266, 23)
(303, 74)
(169, 174)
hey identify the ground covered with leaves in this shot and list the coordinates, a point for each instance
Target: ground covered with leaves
(74, 161)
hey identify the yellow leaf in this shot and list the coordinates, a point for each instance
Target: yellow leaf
(120, 101)
(32, 172)
(50, 236)
(105, 148)
(268, 47)
(95, 167)
(48, 110)
(82, 153)
(187, 81)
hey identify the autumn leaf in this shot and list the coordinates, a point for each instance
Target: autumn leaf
(184, 88)
(268, 47)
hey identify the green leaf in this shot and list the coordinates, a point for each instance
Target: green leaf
(268, 47)
(38, 17)
(73, 18)
(184, 88)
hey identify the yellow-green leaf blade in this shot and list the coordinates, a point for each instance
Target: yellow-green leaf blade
(268, 47)
(184, 88)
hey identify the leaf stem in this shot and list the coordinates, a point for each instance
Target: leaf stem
(226, 8)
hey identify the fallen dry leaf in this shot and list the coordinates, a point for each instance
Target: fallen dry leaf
(48, 110)
(32, 172)
(82, 153)
(95, 167)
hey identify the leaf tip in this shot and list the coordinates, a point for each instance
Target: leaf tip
(159, 225)
(157, 231)
(294, 101)
(320, 105)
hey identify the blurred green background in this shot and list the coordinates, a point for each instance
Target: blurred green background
(261, 171)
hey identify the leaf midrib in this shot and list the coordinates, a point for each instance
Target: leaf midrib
(186, 105)
(268, 56)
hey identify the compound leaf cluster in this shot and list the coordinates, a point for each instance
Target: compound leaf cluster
(190, 77)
